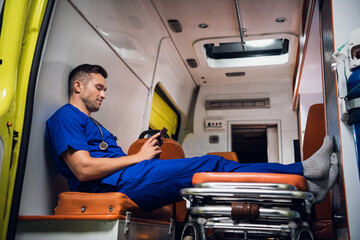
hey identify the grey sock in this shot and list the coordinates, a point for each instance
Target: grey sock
(321, 188)
(317, 166)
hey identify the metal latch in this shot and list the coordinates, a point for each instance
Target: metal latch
(127, 222)
(353, 103)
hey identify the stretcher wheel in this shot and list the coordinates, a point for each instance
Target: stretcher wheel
(190, 232)
(304, 233)
(188, 238)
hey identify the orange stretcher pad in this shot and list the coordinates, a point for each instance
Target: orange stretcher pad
(291, 179)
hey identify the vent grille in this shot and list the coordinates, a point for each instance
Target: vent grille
(192, 62)
(238, 104)
(235, 74)
(175, 25)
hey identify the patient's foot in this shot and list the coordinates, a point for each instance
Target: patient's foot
(317, 166)
(321, 188)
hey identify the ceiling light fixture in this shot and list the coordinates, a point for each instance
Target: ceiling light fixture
(260, 43)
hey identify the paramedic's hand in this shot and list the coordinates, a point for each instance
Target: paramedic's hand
(150, 148)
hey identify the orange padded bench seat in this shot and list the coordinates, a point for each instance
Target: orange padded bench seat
(111, 203)
(114, 205)
(100, 206)
(292, 179)
(169, 150)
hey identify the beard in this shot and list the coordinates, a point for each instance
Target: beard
(92, 106)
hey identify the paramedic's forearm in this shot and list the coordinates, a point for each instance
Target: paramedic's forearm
(87, 168)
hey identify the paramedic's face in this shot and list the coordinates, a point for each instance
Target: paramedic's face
(94, 92)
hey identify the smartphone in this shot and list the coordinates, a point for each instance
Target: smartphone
(161, 136)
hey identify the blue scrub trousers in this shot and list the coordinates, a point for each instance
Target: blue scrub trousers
(155, 183)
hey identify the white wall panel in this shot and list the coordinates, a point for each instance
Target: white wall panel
(72, 42)
(131, 27)
(174, 76)
(311, 78)
(280, 111)
(197, 144)
(311, 82)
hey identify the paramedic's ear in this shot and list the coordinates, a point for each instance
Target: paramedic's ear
(78, 86)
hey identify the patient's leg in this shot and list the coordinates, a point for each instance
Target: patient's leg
(317, 166)
(321, 188)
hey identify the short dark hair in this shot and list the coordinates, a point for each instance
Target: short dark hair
(82, 74)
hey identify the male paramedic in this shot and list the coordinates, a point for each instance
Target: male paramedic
(88, 156)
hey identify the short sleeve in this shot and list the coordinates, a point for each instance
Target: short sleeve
(66, 128)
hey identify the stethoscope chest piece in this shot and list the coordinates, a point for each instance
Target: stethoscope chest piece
(103, 146)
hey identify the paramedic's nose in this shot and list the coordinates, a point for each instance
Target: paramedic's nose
(103, 95)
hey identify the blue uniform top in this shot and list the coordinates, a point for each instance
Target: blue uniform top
(69, 127)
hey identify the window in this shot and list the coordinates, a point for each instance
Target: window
(164, 114)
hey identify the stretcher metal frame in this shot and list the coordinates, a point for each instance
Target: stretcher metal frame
(247, 211)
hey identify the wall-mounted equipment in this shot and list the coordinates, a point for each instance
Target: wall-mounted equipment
(353, 86)
(354, 49)
(214, 124)
(214, 139)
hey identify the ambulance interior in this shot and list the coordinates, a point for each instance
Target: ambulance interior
(238, 76)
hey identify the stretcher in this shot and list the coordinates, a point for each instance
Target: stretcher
(271, 205)
(247, 206)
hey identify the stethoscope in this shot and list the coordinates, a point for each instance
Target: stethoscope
(103, 145)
